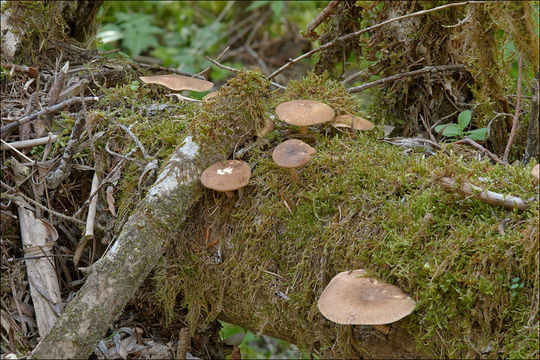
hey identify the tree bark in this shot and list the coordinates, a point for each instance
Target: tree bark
(115, 277)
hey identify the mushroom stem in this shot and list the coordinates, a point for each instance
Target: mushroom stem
(292, 171)
(303, 130)
(230, 193)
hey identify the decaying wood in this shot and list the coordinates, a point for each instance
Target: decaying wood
(89, 233)
(29, 143)
(516, 114)
(118, 274)
(38, 237)
(490, 197)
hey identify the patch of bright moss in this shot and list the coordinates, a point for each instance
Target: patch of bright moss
(365, 204)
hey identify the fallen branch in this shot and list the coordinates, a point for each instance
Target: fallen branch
(427, 69)
(225, 67)
(6, 130)
(38, 237)
(360, 32)
(329, 9)
(29, 143)
(490, 197)
(516, 114)
(467, 140)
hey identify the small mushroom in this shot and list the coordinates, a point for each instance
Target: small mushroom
(292, 154)
(304, 113)
(209, 96)
(351, 298)
(536, 171)
(226, 176)
(352, 122)
(178, 82)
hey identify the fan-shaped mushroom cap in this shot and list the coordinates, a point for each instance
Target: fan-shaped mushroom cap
(351, 298)
(292, 153)
(178, 82)
(351, 121)
(536, 171)
(304, 112)
(226, 175)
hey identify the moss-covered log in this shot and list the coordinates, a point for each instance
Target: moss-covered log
(119, 273)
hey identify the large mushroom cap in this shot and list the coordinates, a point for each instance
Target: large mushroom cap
(292, 153)
(304, 112)
(351, 121)
(226, 175)
(536, 171)
(178, 82)
(351, 298)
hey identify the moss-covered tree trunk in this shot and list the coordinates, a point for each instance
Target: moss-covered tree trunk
(36, 32)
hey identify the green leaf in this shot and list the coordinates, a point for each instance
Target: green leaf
(478, 134)
(464, 119)
(451, 130)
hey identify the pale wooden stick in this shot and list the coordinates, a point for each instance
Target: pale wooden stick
(89, 234)
(29, 143)
(508, 201)
(37, 237)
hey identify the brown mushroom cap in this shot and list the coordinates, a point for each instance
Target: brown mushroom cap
(178, 82)
(536, 171)
(292, 153)
(351, 298)
(351, 121)
(226, 175)
(210, 95)
(304, 112)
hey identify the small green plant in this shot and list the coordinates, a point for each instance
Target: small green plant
(458, 130)
(516, 286)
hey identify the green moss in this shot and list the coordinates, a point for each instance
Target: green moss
(363, 204)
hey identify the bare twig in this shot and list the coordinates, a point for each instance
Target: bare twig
(329, 9)
(29, 143)
(360, 32)
(225, 67)
(31, 71)
(6, 130)
(516, 114)
(89, 232)
(427, 69)
(57, 87)
(183, 343)
(490, 197)
(35, 203)
(467, 140)
(55, 178)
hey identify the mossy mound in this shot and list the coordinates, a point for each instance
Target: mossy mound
(472, 267)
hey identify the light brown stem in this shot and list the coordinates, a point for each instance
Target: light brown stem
(230, 194)
(303, 130)
(294, 176)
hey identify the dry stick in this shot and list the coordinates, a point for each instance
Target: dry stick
(225, 67)
(516, 114)
(490, 197)
(360, 32)
(29, 143)
(467, 140)
(432, 69)
(329, 9)
(55, 90)
(6, 130)
(89, 233)
(105, 180)
(31, 71)
(35, 203)
(183, 343)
